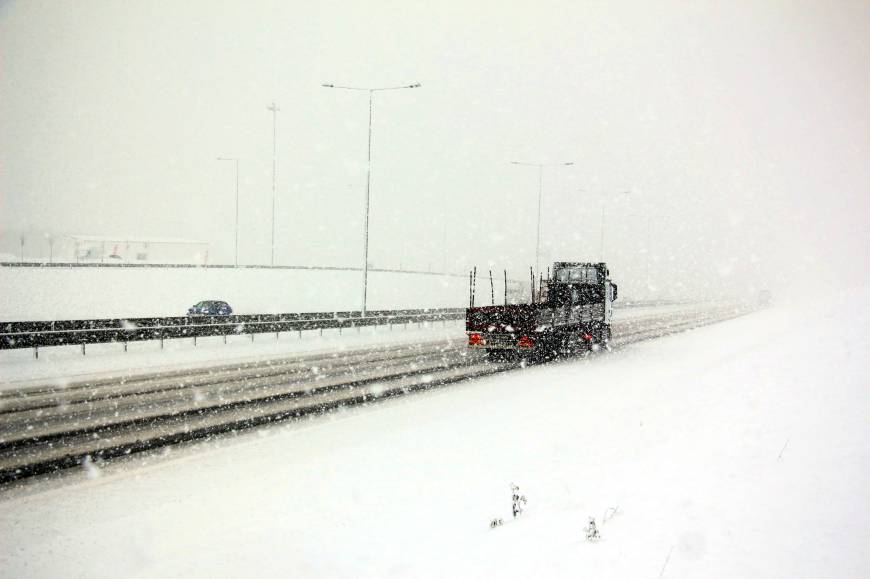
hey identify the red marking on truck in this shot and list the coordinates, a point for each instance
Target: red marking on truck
(526, 342)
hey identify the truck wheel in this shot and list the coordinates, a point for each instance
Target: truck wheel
(605, 339)
(495, 355)
(547, 353)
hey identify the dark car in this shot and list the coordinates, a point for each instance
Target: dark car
(210, 308)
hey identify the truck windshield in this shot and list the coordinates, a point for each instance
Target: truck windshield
(577, 275)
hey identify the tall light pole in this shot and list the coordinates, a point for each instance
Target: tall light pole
(236, 161)
(274, 108)
(540, 167)
(371, 92)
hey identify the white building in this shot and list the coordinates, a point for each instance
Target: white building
(97, 249)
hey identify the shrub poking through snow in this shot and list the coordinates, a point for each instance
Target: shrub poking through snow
(517, 500)
(591, 529)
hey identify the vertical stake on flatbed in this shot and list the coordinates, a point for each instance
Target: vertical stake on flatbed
(474, 286)
(470, 304)
(491, 288)
(505, 287)
(532, 277)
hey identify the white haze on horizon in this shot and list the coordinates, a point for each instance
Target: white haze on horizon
(741, 132)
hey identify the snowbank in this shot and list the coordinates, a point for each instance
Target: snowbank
(63, 364)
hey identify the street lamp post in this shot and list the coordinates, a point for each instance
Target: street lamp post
(274, 108)
(540, 167)
(371, 92)
(236, 161)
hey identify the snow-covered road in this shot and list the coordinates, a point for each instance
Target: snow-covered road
(737, 450)
(59, 425)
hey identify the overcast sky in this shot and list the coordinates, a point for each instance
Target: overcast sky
(740, 130)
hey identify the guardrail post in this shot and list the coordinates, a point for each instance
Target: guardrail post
(225, 338)
(161, 341)
(36, 352)
(125, 345)
(252, 337)
(300, 334)
(83, 348)
(194, 340)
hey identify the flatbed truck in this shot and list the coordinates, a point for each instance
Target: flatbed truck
(570, 313)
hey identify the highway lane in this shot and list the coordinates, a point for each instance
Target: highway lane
(47, 428)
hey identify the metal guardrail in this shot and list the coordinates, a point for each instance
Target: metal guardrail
(37, 334)
(14, 335)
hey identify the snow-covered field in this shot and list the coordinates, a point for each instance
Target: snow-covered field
(60, 293)
(737, 450)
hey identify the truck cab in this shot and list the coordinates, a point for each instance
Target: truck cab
(579, 285)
